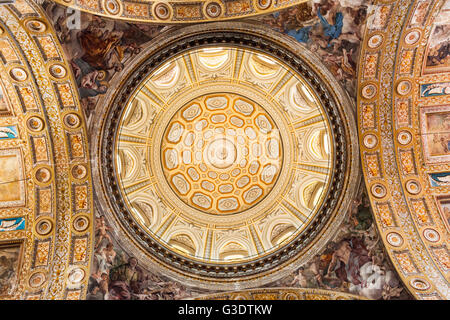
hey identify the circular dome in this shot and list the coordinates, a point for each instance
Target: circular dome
(225, 158)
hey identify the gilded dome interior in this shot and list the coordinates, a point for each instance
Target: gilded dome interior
(224, 155)
(212, 149)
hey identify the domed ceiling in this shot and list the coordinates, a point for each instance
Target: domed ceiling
(225, 155)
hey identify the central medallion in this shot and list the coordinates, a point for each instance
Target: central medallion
(221, 153)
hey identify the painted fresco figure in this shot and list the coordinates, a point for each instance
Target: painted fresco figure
(60, 19)
(375, 282)
(447, 214)
(7, 274)
(94, 293)
(443, 52)
(105, 258)
(98, 46)
(300, 278)
(101, 231)
(439, 48)
(6, 268)
(87, 79)
(125, 280)
(329, 28)
(362, 219)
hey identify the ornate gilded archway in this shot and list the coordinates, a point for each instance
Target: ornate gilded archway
(46, 201)
(400, 92)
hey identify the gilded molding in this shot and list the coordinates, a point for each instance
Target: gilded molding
(401, 194)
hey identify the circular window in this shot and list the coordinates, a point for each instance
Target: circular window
(225, 156)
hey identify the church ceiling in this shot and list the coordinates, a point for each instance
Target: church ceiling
(111, 84)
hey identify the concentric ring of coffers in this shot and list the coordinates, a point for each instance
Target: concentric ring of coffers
(165, 152)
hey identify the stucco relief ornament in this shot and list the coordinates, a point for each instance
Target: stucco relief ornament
(44, 227)
(37, 279)
(223, 152)
(162, 11)
(413, 186)
(35, 124)
(412, 37)
(375, 41)
(18, 74)
(404, 87)
(369, 91)
(43, 175)
(378, 190)
(79, 171)
(419, 284)
(81, 223)
(113, 7)
(36, 26)
(264, 4)
(76, 275)
(72, 120)
(213, 9)
(58, 71)
(404, 137)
